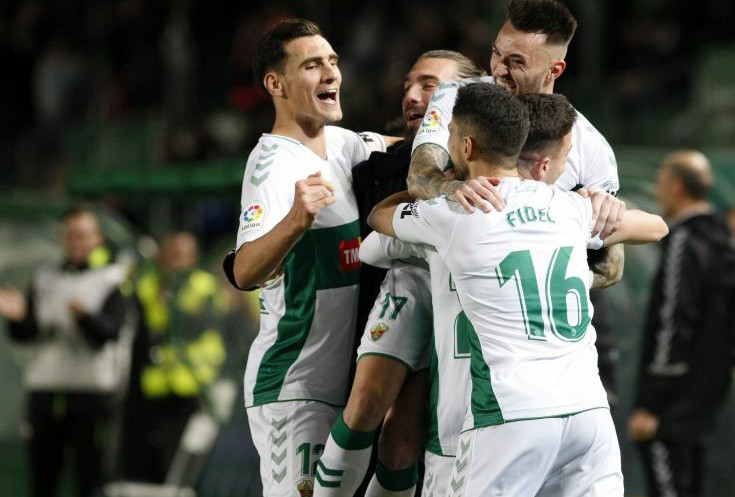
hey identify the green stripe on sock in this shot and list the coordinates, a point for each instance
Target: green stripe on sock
(349, 439)
(397, 481)
(329, 472)
(326, 483)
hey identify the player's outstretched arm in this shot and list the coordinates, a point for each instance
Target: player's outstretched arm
(607, 211)
(425, 180)
(371, 251)
(637, 227)
(380, 250)
(261, 259)
(381, 217)
(392, 140)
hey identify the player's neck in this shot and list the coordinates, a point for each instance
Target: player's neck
(310, 134)
(489, 170)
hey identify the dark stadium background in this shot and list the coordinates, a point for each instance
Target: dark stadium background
(148, 109)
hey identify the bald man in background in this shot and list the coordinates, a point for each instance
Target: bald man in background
(685, 366)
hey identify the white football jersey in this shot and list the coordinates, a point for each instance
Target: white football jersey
(304, 346)
(449, 360)
(591, 162)
(522, 279)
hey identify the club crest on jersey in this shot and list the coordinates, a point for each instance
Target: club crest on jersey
(349, 255)
(377, 331)
(430, 124)
(252, 217)
(305, 487)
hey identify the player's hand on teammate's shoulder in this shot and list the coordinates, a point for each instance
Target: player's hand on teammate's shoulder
(311, 195)
(478, 192)
(607, 211)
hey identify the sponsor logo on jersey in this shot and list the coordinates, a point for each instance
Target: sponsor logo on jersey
(349, 255)
(610, 187)
(377, 331)
(407, 209)
(305, 487)
(252, 217)
(430, 124)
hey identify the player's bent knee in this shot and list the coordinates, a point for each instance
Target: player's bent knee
(365, 408)
(378, 381)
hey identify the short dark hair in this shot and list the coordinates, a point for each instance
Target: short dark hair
(551, 117)
(495, 119)
(465, 67)
(270, 52)
(547, 17)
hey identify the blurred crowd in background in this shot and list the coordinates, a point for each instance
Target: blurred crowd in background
(67, 62)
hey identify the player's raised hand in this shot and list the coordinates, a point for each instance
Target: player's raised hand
(607, 211)
(478, 192)
(310, 196)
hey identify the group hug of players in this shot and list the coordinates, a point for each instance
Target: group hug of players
(478, 352)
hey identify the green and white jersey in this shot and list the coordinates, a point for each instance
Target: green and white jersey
(591, 162)
(449, 364)
(304, 346)
(449, 361)
(522, 279)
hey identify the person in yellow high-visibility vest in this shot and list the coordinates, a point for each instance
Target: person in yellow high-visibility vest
(180, 354)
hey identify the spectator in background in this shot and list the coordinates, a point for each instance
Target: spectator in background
(179, 353)
(71, 319)
(686, 361)
(731, 221)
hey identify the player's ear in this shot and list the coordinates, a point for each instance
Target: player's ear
(273, 84)
(676, 187)
(469, 147)
(540, 168)
(556, 70)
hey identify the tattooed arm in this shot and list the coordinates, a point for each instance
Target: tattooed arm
(425, 177)
(426, 180)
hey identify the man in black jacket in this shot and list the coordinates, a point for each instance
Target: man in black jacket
(686, 361)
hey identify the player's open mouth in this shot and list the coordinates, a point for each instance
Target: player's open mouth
(509, 84)
(329, 96)
(414, 114)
